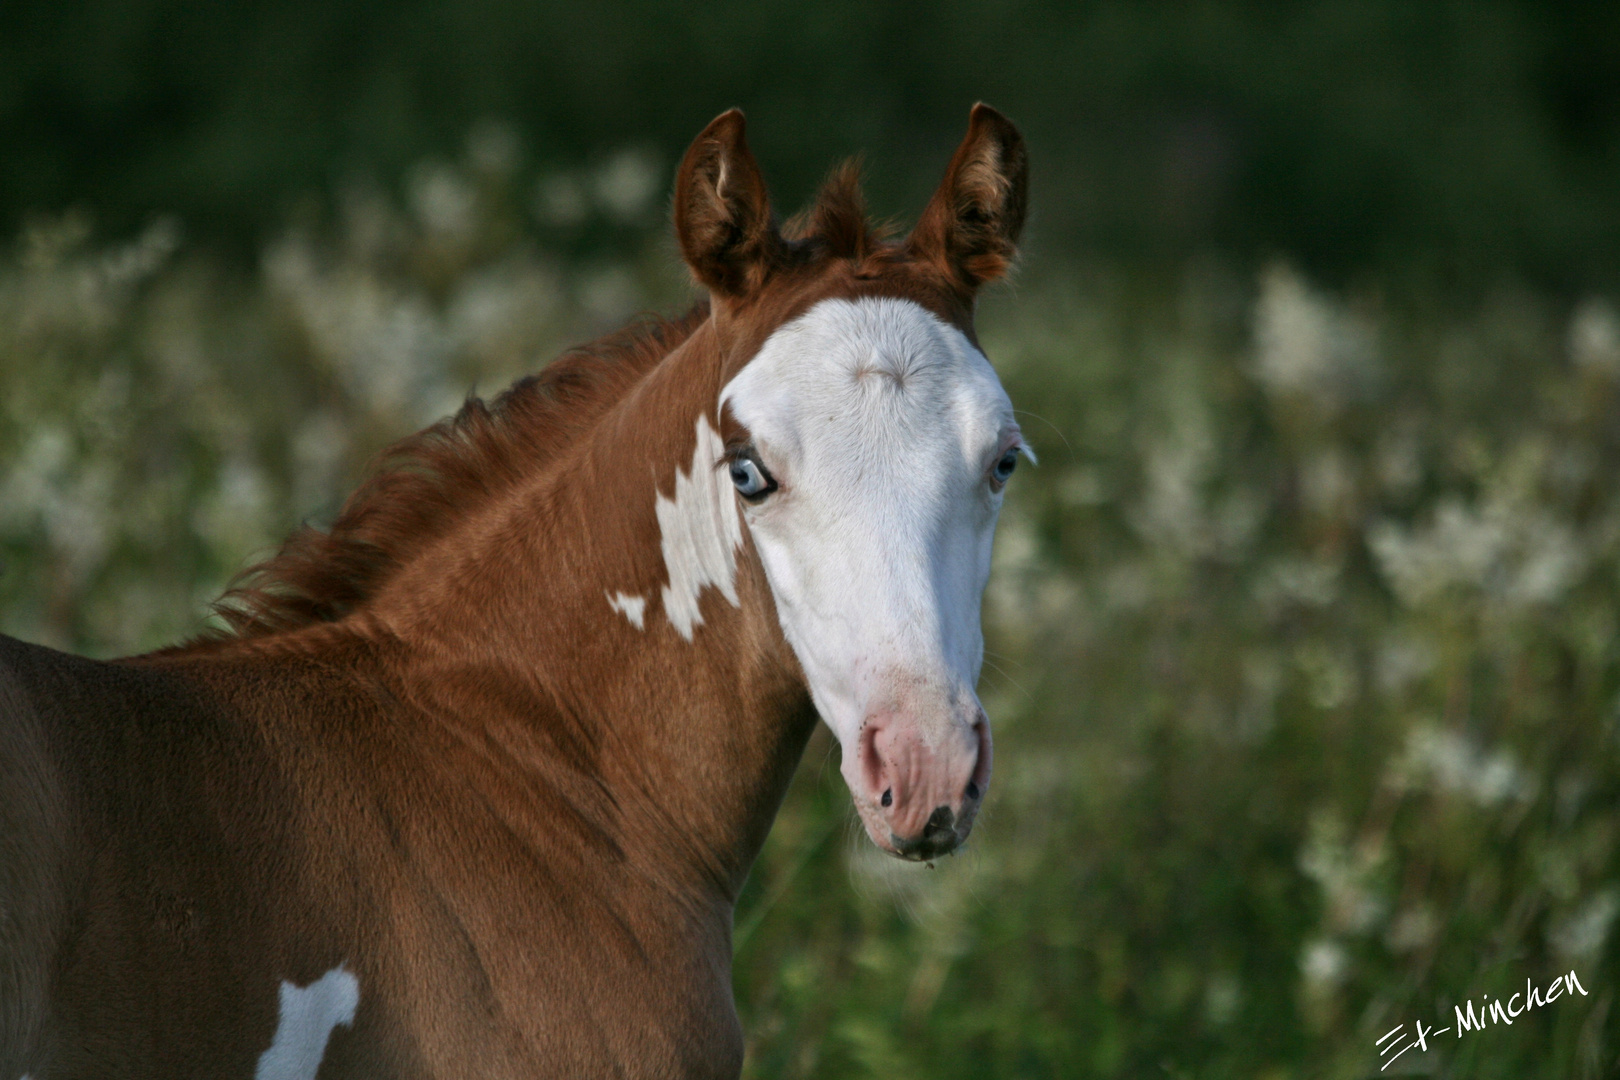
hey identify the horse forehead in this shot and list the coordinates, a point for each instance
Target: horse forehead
(873, 368)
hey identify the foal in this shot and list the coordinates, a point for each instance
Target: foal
(471, 787)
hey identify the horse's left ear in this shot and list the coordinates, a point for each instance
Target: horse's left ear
(723, 212)
(971, 225)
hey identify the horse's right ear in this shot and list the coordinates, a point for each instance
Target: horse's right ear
(723, 212)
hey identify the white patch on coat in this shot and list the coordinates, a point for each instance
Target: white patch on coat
(881, 423)
(308, 1015)
(633, 608)
(700, 533)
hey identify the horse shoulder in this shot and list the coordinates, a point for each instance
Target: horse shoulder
(34, 863)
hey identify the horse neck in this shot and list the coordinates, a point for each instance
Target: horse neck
(694, 739)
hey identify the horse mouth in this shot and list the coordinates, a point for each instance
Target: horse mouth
(924, 849)
(942, 835)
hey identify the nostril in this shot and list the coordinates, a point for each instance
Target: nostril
(870, 768)
(888, 797)
(979, 780)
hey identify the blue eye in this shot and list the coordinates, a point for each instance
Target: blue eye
(752, 481)
(1004, 468)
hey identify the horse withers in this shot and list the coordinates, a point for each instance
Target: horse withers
(470, 787)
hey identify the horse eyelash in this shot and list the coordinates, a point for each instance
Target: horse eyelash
(737, 452)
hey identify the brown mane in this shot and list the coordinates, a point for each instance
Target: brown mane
(418, 486)
(837, 225)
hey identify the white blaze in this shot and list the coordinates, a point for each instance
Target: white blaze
(308, 1015)
(882, 423)
(701, 533)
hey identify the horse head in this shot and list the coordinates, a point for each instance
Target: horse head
(869, 442)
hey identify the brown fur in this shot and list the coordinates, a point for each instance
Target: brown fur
(971, 226)
(837, 221)
(422, 483)
(429, 751)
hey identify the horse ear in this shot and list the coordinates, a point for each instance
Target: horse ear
(723, 212)
(971, 225)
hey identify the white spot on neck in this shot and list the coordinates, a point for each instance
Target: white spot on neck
(701, 533)
(308, 1015)
(633, 608)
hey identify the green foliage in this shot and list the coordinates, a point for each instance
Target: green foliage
(1303, 656)
(164, 417)
(1350, 134)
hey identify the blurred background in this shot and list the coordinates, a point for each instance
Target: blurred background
(1303, 636)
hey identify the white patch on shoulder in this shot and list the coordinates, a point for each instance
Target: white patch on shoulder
(633, 608)
(701, 533)
(308, 1015)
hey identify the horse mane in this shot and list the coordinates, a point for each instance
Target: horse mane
(836, 224)
(417, 488)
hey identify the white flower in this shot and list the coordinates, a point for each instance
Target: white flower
(1306, 344)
